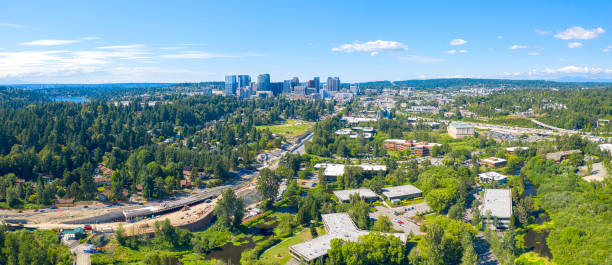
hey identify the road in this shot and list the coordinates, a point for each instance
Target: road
(554, 128)
(75, 247)
(483, 250)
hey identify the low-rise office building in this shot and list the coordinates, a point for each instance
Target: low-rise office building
(345, 195)
(496, 203)
(460, 130)
(333, 171)
(337, 225)
(514, 149)
(492, 176)
(416, 148)
(494, 162)
(560, 156)
(402, 192)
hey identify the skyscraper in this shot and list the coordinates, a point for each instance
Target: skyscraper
(230, 85)
(333, 83)
(243, 80)
(276, 88)
(317, 83)
(295, 82)
(287, 86)
(263, 82)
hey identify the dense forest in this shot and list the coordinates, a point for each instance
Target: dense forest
(146, 145)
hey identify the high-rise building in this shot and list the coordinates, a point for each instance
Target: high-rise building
(243, 80)
(276, 88)
(230, 85)
(311, 84)
(263, 82)
(299, 90)
(317, 83)
(333, 83)
(287, 86)
(295, 82)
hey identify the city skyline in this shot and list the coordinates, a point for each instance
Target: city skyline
(187, 41)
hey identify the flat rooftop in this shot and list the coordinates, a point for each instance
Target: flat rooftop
(461, 125)
(558, 155)
(498, 201)
(338, 225)
(337, 170)
(400, 191)
(345, 195)
(492, 175)
(493, 160)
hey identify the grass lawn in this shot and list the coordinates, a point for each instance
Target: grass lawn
(461, 145)
(280, 252)
(291, 128)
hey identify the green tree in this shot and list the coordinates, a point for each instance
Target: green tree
(267, 185)
(229, 209)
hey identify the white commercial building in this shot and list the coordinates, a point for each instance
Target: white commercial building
(337, 225)
(337, 170)
(402, 192)
(345, 195)
(460, 130)
(497, 203)
(492, 176)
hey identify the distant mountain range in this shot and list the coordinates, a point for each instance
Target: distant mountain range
(581, 79)
(91, 86)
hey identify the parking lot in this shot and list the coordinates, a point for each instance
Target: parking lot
(400, 216)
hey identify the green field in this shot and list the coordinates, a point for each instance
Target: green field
(280, 252)
(290, 128)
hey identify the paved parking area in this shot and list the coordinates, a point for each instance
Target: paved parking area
(400, 216)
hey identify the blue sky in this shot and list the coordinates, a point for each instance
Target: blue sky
(190, 41)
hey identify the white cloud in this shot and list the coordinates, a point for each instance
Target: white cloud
(579, 33)
(571, 69)
(371, 46)
(373, 53)
(49, 42)
(573, 45)
(516, 47)
(62, 62)
(463, 51)
(171, 48)
(451, 51)
(607, 49)
(11, 25)
(500, 37)
(204, 55)
(90, 38)
(456, 42)
(533, 53)
(542, 32)
(122, 47)
(420, 59)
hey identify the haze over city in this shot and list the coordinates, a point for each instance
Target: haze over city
(192, 41)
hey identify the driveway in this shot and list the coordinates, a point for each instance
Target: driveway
(75, 247)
